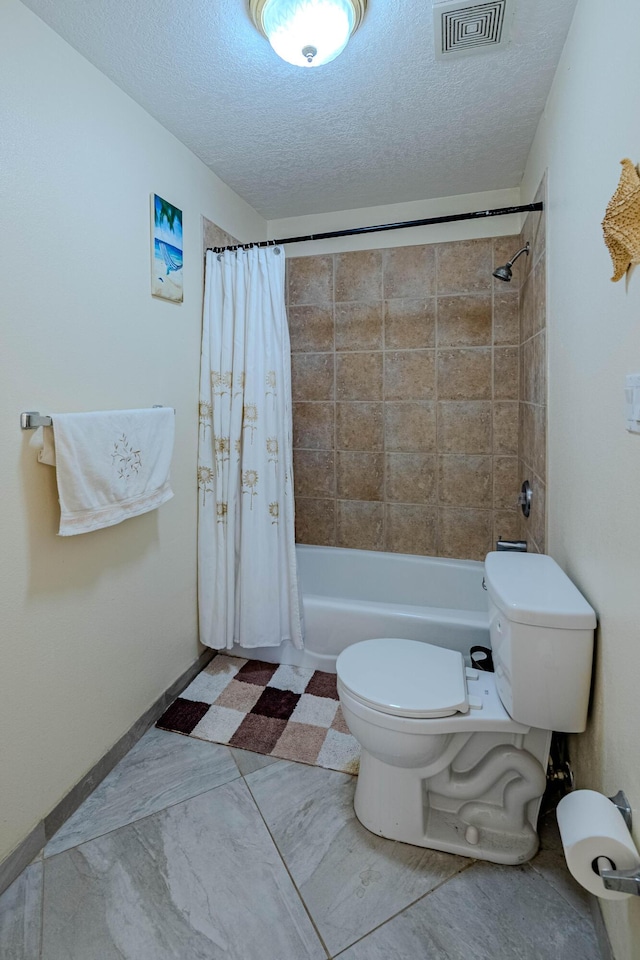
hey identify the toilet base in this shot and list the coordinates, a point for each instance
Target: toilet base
(484, 805)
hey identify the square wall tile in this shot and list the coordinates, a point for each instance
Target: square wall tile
(539, 319)
(410, 477)
(464, 533)
(526, 434)
(314, 473)
(464, 426)
(540, 368)
(533, 527)
(409, 324)
(504, 248)
(506, 472)
(527, 320)
(505, 427)
(358, 275)
(312, 376)
(360, 525)
(534, 232)
(409, 374)
(506, 318)
(310, 280)
(311, 328)
(359, 325)
(313, 426)
(316, 522)
(359, 376)
(359, 425)
(527, 370)
(464, 374)
(506, 361)
(410, 529)
(465, 321)
(540, 441)
(409, 271)
(464, 479)
(215, 236)
(465, 266)
(538, 515)
(360, 476)
(506, 524)
(410, 427)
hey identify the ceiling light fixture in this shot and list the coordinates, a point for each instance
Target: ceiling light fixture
(307, 33)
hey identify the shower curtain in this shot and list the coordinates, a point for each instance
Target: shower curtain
(247, 579)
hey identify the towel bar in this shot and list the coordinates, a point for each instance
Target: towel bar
(31, 419)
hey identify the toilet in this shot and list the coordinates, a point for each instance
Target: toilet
(455, 759)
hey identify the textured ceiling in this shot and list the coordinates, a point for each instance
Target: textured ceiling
(386, 122)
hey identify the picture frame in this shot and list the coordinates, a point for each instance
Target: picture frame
(166, 250)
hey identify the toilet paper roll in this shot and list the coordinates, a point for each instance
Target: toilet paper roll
(591, 827)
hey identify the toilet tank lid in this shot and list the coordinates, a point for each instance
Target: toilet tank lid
(531, 588)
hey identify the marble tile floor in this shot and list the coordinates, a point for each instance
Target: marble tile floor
(195, 851)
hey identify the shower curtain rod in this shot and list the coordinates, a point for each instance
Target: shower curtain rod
(380, 228)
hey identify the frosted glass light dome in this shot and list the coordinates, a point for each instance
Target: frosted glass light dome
(308, 33)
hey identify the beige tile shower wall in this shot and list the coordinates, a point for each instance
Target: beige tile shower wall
(405, 373)
(532, 449)
(215, 236)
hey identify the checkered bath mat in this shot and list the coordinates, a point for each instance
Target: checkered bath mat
(286, 712)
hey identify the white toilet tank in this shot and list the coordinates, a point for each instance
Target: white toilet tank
(542, 639)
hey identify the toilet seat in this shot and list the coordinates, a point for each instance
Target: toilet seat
(405, 678)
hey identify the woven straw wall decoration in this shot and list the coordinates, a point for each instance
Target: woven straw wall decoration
(621, 224)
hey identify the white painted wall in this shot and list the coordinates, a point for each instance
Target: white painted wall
(399, 212)
(591, 122)
(93, 628)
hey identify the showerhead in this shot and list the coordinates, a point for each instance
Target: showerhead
(505, 272)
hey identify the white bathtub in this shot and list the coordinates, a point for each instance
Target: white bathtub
(351, 595)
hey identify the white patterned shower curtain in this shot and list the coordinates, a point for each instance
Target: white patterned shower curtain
(247, 579)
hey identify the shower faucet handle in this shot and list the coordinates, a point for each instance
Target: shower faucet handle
(525, 497)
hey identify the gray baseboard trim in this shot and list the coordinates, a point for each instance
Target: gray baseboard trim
(601, 931)
(13, 865)
(24, 854)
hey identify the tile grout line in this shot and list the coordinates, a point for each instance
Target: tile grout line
(147, 816)
(555, 890)
(489, 295)
(286, 867)
(404, 909)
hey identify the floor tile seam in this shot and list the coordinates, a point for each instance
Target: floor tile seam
(147, 816)
(422, 896)
(286, 867)
(398, 913)
(558, 892)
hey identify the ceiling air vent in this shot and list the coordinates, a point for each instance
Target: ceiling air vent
(463, 28)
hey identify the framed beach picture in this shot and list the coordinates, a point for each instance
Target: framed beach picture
(166, 250)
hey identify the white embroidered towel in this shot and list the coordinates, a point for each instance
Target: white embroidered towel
(110, 465)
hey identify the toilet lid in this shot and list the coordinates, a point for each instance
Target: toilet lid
(406, 678)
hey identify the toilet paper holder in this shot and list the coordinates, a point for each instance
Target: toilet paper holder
(623, 881)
